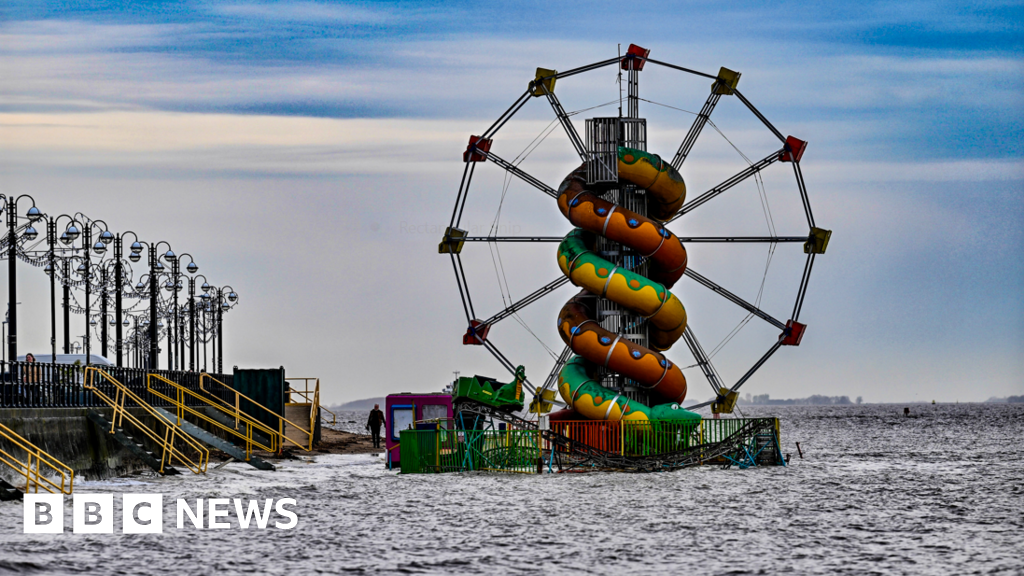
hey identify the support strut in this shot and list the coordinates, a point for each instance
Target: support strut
(734, 180)
(734, 299)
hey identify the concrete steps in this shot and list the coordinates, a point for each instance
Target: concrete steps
(9, 493)
(300, 416)
(215, 441)
(135, 447)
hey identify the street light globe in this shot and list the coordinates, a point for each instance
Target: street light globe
(158, 267)
(232, 296)
(225, 306)
(48, 269)
(30, 233)
(169, 286)
(126, 323)
(159, 324)
(81, 269)
(106, 236)
(73, 232)
(192, 268)
(169, 256)
(92, 322)
(178, 286)
(140, 287)
(34, 214)
(134, 256)
(99, 247)
(113, 322)
(65, 239)
(206, 287)
(204, 296)
(136, 247)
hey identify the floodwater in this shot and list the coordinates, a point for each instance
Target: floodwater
(941, 492)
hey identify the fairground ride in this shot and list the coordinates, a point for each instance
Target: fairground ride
(623, 200)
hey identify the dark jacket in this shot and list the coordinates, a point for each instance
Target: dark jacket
(376, 419)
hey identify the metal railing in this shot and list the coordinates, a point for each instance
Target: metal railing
(192, 455)
(35, 463)
(219, 390)
(445, 450)
(309, 396)
(48, 385)
(180, 403)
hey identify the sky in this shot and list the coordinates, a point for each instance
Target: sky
(309, 153)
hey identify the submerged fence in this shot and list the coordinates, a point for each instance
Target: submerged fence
(46, 385)
(524, 450)
(443, 450)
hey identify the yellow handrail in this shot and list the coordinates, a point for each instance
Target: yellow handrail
(315, 402)
(237, 411)
(32, 470)
(240, 418)
(171, 431)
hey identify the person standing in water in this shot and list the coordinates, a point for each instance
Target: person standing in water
(374, 423)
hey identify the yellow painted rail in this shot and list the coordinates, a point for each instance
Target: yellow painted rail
(174, 443)
(237, 413)
(311, 395)
(245, 427)
(37, 463)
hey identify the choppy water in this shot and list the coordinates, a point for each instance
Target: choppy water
(876, 493)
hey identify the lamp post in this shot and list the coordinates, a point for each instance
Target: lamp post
(33, 215)
(119, 281)
(174, 285)
(192, 355)
(155, 270)
(99, 248)
(226, 299)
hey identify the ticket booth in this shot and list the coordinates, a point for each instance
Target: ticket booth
(402, 411)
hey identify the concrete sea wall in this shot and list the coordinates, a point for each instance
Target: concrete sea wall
(69, 436)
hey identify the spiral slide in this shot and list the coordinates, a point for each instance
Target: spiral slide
(648, 296)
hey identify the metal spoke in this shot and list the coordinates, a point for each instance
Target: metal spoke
(681, 69)
(759, 363)
(526, 301)
(803, 287)
(508, 114)
(566, 122)
(759, 115)
(586, 68)
(803, 193)
(702, 359)
(734, 299)
(734, 180)
(518, 172)
(508, 365)
(695, 128)
(744, 239)
(549, 382)
(513, 238)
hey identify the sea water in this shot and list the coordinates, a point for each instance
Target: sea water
(939, 492)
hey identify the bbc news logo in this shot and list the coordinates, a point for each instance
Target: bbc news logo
(144, 513)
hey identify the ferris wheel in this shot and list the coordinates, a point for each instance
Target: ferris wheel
(625, 253)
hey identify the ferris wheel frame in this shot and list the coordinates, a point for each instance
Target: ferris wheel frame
(723, 84)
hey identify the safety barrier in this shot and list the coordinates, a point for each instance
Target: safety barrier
(248, 425)
(648, 437)
(310, 397)
(442, 450)
(630, 438)
(35, 463)
(190, 454)
(217, 389)
(49, 385)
